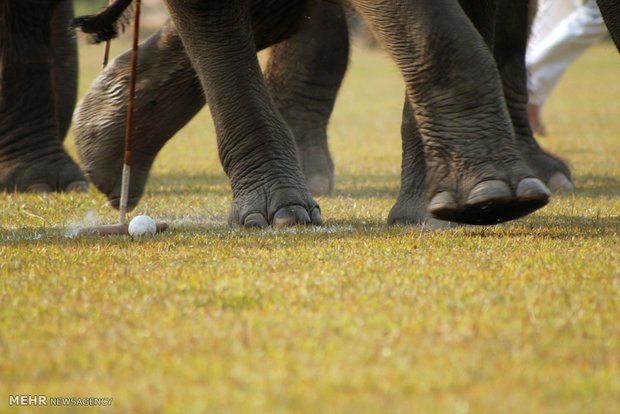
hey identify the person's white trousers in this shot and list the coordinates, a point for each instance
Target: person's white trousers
(561, 32)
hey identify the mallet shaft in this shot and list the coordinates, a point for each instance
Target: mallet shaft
(132, 90)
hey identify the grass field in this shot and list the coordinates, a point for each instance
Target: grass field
(349, 317)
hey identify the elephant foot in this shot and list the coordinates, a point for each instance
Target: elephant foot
(54, 171)
(490, 202)
(168, 95)
(464, 188)
(99, 129)
(559, 182)
(277, 204)
(549, 169)
(104, 169)
(413, 212)
(101, 148)
(317, 167)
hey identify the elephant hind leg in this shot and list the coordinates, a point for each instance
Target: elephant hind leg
(303, 75)
(168, 95)
(410, 207)
(511, 31)
(31, 153)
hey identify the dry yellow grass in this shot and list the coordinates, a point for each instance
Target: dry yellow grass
(348, 317)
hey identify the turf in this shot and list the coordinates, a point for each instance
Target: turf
(348, 317)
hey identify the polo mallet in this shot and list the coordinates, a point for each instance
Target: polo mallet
(123, 228)
(106, 50)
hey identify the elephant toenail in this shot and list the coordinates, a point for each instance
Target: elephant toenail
(255, 220)
(289, 216)
(442, 201)
(494, 191)
(316, 216)
(532, 189)
(559, 183)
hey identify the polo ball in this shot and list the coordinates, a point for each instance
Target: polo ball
(142, 226)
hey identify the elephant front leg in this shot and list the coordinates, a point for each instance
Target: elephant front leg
(255, 145)
(37, 94)
(474, 173)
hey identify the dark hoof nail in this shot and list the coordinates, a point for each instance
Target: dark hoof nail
(493, 191)
(316, 216)
(532, 189)
(78, 187)
(491, 202)
(319, 186)
(442, 201)
(255, 220)
(40, 188)
(559, 183)
(289, 216)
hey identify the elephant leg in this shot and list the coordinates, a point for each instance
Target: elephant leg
(304, 74)
(37, 94)
(65, 67)
(510, 44)
(256, 146)
(168, 95)
(410, 207)
(610, 11)
(474, 172)
(483, 15)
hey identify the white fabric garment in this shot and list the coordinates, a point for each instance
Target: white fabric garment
(561, 32)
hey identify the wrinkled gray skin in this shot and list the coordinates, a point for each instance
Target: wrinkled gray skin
(459, 113)
(38, 94)
(610, 10)
(38, 88)
(169, 94)
(304, 74)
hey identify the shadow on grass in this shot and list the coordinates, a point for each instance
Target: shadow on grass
(557, 227)
(370, 185)
(594, 185)
(367, 185)
(185, 184)
(554, 227)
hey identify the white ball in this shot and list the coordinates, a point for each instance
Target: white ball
(142, 226)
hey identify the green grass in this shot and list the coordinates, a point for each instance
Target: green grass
(349, 317)
(83, 7)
